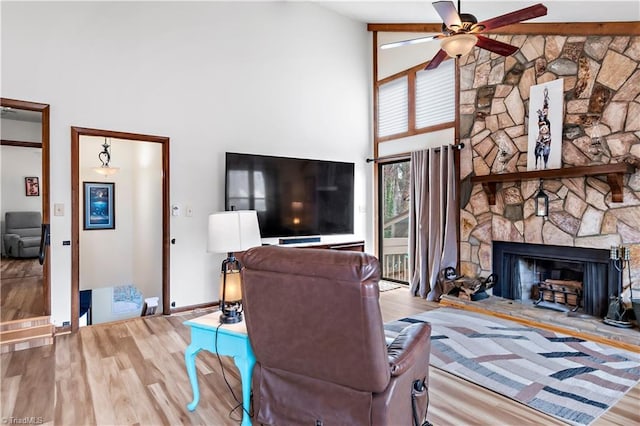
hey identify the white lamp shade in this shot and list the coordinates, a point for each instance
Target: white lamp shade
(458, 44)
(233, 231)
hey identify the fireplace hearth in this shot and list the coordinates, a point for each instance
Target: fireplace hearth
(575, 279)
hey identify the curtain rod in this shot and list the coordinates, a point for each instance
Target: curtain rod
(407, 155)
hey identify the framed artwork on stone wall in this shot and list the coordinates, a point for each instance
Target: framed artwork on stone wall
(545, 126)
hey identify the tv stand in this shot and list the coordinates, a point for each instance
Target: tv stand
(298, 240)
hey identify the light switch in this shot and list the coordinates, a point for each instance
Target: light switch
(188, 211)
(175, 210)
(58, 209)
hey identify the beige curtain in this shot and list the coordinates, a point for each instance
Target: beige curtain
(432, 228)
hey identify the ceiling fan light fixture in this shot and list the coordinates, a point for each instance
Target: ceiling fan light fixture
(458, 45)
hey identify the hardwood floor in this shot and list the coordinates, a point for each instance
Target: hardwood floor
(20, 289)
(133, 372)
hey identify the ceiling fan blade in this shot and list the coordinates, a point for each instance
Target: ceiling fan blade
(513, 17)
(495, 46)
(448, 13)
(408, 42)
(436, 60)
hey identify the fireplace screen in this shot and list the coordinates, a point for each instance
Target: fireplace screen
(562, 278)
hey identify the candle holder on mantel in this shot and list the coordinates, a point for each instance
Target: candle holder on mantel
(618, 314)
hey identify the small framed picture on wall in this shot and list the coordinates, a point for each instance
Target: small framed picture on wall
(99, 205)
(32, 186)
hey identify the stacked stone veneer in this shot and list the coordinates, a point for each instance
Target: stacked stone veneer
(602, 95)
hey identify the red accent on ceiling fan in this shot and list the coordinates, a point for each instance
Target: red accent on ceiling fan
(513, 17)
(436, 60)
(495, 46)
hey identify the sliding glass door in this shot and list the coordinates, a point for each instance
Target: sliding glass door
(394, 220)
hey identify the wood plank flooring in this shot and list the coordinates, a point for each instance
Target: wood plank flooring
(20, 289)
(133, 373)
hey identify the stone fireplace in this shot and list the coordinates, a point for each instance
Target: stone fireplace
(523, 267)
(601, 77)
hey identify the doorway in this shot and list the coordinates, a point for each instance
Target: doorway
(115, 223)
(394, 199)
(25, 187)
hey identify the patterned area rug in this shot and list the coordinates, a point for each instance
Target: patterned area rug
(569, 378)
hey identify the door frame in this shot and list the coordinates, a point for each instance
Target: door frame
(380, 211)
(44, 184)
(76, 132)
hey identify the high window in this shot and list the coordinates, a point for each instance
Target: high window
(416, 101)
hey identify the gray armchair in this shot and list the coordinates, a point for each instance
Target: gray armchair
(22, 234)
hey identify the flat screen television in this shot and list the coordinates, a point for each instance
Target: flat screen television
(292, 196)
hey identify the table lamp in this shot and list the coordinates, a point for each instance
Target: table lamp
(231, 232)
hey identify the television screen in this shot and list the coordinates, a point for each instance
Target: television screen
(292, 196)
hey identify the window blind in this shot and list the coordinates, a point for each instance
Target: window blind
(393, 107)
(435, 95)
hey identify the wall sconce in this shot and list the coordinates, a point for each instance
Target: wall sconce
(231, 232)
(458, 45)
(105, 157)
(542, 202)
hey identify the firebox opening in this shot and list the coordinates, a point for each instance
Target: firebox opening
(574, 279)
(549, 283)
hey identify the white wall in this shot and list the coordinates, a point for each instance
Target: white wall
(278, 78)
(18, 162)
(21, 131)
(146, 210)
(398, 59)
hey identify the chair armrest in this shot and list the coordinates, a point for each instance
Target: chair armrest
(11, 244)
(408, 346)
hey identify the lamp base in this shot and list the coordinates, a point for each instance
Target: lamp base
(230, 317)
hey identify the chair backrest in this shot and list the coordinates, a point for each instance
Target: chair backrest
(25, 224)
(316, 313)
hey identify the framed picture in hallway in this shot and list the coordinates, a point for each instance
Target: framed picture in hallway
(99, 205)
(545, 126)
(32, 186)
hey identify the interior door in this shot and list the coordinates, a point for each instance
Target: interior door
(24, 140)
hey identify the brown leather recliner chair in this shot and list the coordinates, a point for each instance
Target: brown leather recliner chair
(315, 326)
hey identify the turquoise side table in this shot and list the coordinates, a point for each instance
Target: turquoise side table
(233, 341)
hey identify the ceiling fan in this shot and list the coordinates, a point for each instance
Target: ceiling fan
(462, 31)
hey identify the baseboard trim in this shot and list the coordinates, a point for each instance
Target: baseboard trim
(194, 307)
(65, 329)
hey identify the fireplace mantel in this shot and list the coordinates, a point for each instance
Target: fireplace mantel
(614, 172)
